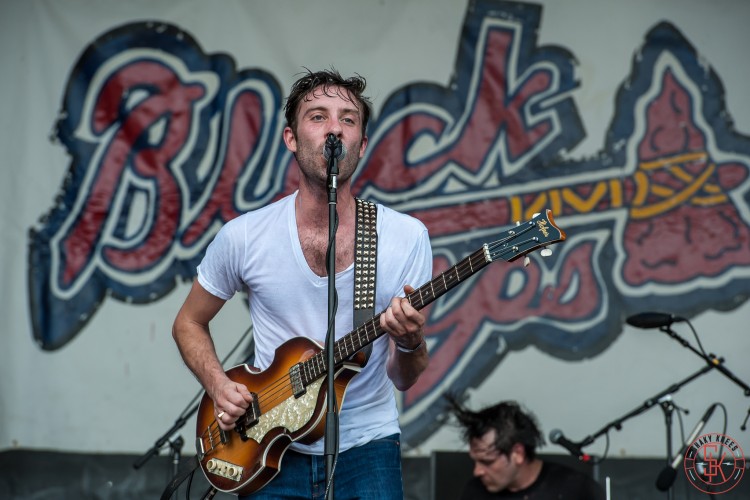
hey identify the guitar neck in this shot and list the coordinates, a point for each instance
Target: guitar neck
(354, 341)
(538, 232)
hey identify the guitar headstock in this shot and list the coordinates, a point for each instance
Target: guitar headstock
(538, 232)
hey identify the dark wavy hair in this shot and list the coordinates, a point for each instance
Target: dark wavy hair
(331, 83)
(511, 424)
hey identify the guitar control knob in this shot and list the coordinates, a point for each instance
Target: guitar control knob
(231, 471)
(211, 465)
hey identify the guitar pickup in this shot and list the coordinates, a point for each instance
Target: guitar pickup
(249, 419)
(295, 377)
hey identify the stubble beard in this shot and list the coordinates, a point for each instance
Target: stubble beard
(314, 167)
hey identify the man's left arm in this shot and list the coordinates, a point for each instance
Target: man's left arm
(407, 351)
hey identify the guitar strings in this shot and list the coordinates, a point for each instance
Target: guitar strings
(267, 397)
(281, 389)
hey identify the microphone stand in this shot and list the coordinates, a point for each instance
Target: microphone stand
(649, 403)
(175, 445)
(333, 149)
(662, 399)
(712, 360)
(744, 422)
(668, 408)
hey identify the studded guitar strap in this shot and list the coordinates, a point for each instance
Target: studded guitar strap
(365, 264)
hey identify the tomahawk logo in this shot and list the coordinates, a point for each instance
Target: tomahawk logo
(168, 143)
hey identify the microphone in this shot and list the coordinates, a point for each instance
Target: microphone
(668, 474)
(334, 148)
(556, 436)
(653, 320)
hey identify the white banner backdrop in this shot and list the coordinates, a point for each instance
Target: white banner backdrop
(119, 384)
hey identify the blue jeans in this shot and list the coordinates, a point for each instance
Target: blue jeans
(368, 472)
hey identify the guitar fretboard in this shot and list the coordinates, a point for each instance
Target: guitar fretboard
(351, 343)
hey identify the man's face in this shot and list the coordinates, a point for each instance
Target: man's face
(497, 471)
(319, 114)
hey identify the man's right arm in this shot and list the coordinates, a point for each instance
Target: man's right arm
(193, 337)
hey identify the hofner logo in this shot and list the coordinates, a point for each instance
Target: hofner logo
(543, 227)
(714, 463)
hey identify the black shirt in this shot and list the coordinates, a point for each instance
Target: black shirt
(555, 482)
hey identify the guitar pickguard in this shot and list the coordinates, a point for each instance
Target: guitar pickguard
(292, 414)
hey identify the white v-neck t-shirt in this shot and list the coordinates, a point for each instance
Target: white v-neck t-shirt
(260, 252)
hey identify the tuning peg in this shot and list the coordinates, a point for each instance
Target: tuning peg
(537, 214)
(526, 261)
(518, 223)
(545, 252)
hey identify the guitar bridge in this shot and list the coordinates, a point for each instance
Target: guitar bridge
(200, 444)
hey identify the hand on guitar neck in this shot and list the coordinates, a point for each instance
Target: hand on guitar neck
(404, 324)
